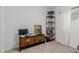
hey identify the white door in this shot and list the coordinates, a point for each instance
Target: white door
(74, 28)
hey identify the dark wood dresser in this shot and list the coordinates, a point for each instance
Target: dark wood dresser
(30, 41)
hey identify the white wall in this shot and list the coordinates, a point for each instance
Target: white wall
(20, 17)
(62, 16)
(67, 29)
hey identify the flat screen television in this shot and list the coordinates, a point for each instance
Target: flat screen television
(23, 31)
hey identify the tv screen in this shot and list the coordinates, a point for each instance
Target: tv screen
(23, 31)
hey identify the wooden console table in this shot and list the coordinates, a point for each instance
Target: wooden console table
(30, 41)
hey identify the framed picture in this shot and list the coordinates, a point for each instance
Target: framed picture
(38, 29)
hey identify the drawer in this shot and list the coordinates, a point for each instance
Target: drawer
(36, 39)
(22, 42)
(30, 41)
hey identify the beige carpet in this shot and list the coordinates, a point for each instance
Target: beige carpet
(49, 47)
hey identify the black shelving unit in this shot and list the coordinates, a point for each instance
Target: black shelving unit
(50, 26)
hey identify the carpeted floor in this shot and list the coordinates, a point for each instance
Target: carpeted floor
(49, 47)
